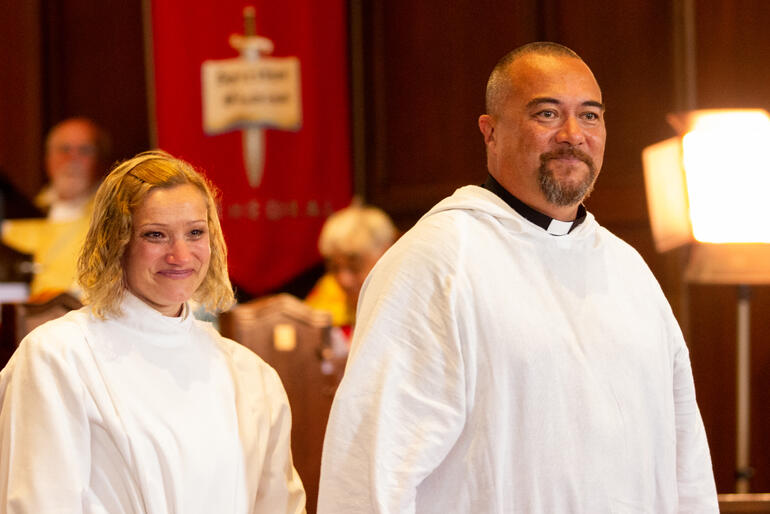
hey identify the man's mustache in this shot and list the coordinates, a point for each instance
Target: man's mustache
(569, 151)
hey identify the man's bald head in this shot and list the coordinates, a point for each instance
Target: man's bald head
(499, 83)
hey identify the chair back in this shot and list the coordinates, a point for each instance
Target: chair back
(17, 319)
(754, 503)
(292, 337)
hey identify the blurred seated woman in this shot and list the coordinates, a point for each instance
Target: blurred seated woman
(131, 405)
(351, 241)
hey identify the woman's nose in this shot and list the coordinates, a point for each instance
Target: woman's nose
(178, 252)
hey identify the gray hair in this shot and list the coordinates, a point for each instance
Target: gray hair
(356, 230)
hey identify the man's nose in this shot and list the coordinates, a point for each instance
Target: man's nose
(571, 132)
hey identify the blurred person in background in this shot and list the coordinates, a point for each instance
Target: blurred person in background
(351, 242)
(76, 157)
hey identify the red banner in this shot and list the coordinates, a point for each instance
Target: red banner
(271, 228)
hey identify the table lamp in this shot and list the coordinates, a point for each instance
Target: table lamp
(708, 188)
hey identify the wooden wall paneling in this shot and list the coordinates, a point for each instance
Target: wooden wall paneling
(713, 316)
(732, 48)
(63, 58)
(426, 69)
(358, 139)
(713, 355)
(94, 66)
(760, 387)
(21, 136)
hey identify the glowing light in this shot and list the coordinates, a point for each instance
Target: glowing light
(728, 176)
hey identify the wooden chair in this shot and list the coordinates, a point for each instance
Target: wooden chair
(15, 266)
(292, 337)
(754, 503)
(19, 318)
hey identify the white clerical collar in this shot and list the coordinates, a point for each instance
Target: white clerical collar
(547, 223)
(67, 211)
(559, 228)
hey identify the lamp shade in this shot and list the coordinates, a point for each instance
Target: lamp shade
(708, 188)
(667, 194)
(728, 176)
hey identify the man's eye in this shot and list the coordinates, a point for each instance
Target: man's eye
(591, 116)
(547, 114)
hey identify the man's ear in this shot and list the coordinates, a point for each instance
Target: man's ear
(487, 127)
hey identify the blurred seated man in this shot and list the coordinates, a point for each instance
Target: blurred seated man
(76, 154)
(351, 242)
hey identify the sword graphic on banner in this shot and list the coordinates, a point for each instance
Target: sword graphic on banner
(251, 93)
(251, 47)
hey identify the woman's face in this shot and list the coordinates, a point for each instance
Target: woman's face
(350, 272)
(168, 254)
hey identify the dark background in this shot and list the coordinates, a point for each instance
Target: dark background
(418, 74)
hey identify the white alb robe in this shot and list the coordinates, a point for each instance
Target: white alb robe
(142, 414)
(496, 368)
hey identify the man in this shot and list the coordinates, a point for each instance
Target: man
(510, 354)
(76, 157)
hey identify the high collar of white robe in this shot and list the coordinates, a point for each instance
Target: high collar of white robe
(163, 330)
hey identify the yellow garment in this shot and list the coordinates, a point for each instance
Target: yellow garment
(327, 295)
(54, 245)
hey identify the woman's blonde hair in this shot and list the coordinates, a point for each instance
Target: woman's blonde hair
(100, 265)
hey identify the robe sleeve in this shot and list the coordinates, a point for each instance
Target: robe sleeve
(280, 488)
(695, 477)
(402, 402)
(44, 429)
(24, 235)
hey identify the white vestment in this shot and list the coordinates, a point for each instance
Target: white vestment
(496, 368)
(142, 413)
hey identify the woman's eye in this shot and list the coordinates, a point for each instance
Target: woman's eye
(153, 235)
(198, 232)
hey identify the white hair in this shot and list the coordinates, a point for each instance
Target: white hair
(356, 230)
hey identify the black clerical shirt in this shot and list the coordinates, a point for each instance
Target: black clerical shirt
(550, 225)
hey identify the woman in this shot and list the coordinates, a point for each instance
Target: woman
(130, 405)
(351, 241)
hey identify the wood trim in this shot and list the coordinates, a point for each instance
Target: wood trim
(149, 72)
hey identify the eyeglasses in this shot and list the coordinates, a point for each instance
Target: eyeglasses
(75, 150)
